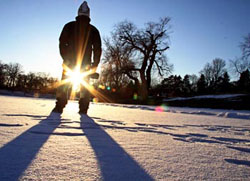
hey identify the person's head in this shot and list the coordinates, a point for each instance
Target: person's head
(84, 10)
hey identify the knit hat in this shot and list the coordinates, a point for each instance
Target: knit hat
(84, 9)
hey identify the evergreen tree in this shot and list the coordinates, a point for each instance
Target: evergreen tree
(186, 86)
(244, 82)
(173, 86)
(223, 84)
(201, 85)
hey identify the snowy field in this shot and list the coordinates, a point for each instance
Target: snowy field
(121, 142)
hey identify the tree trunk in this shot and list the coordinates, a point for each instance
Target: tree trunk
(148, 72)
(143, 88)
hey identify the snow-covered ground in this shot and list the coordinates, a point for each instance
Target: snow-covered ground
(121, 142)
(223, 96)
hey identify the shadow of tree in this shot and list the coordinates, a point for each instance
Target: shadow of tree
(16, 155)
(114, 162)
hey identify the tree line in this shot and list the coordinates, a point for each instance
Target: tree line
(213, 79)
(12, 77)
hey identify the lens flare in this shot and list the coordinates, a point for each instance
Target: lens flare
(79, 81)
(101, 87)
(76, 77)
(135, 96)
(161, 108)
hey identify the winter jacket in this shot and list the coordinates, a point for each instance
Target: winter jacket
(77, 41)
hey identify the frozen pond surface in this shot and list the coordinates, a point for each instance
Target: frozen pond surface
(121, 142)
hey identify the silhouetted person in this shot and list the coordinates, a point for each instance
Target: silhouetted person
(78, 40)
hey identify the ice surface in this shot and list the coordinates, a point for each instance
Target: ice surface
(121, 142)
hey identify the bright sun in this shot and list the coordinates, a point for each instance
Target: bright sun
(76, 78)
(80, 79)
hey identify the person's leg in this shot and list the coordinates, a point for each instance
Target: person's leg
(61, 96)
(84, 100)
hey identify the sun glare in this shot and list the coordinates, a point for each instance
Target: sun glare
(76, 77)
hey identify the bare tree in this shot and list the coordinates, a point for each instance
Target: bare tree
(218, 68)
(13, 70)
(31, 79)
(21, 82)
(245, 47)
(149, 45)
(2, 73)
(111, 76)
(240, 64)
(212, 71)
(117, 63)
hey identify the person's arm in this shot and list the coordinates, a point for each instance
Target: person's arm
(97, 48)
(64, 41)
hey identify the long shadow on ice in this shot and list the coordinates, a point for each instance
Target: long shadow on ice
(231, 140)
(238, 162)
(114, 162)
(26, 115)
(247, 150)
(10, 125)
(16, 155)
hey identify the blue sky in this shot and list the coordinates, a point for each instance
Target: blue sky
(201, 30)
